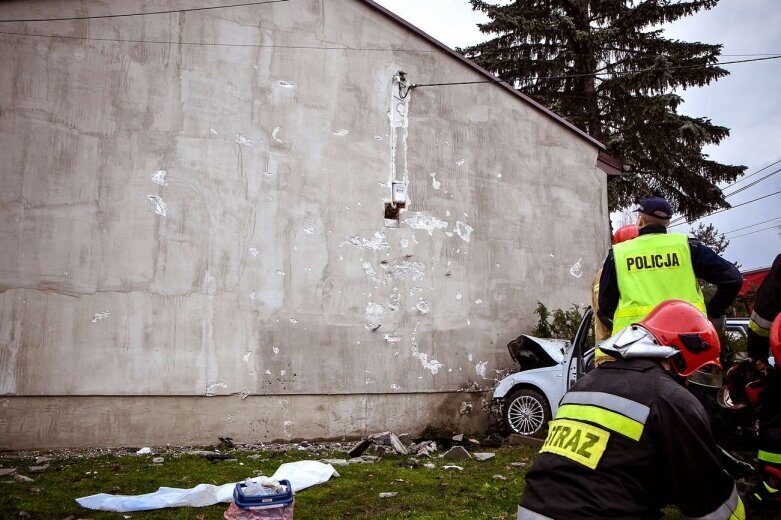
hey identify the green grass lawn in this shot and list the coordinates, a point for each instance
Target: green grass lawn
(422, 493)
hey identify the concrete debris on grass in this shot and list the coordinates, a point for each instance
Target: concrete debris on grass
(335, 462)
(453, 466)
(389, 494)
(524, 440)
(521, 464)
(158, 460)
(430, 465)
(498, 477)
(7, 472)
(38, 469)
(22, 478)
(457, 453)
(380, 444)
(423, 449)
(482, 457)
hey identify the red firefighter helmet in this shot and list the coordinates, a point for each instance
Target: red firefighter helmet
(674, 330)
(775, 339)
(625, 233)
(679, 324)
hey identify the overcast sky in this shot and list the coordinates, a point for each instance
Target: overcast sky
(747, 102)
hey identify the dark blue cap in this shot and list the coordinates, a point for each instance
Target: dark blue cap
(656, 207)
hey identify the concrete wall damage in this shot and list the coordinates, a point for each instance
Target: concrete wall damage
(194, 236)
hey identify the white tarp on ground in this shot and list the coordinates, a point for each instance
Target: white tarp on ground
(301, 474)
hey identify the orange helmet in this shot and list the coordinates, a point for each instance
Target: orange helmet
(674, 330)
(775, 339)
(625, 233)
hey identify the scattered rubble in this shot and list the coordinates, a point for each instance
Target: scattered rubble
(158, 460)
(7, 472)
(457, 453)
(498, 477)
(38, 469)
(389, 494)
(335, 462)
(482, 457)
(43, 460)
(524, 440)
(519, 464)
(453, 466)
(22, 478)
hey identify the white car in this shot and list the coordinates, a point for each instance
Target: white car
(530, 397)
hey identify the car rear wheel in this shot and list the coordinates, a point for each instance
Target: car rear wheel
(526, 411)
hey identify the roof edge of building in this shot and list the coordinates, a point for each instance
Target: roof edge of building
(401, 21)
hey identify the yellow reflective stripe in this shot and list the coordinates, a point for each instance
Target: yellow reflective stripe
(645, 310)
(761, 331)
(765, 456)
(739, 513)
(577, 441)
(605, 418)
(770, 488)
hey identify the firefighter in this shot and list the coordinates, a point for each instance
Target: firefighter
(764, 336)
(639, 274)
(601, 331)
(629, 439)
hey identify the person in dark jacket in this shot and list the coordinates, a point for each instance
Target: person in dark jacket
(629, 439)
(658, 266)
(764, 337)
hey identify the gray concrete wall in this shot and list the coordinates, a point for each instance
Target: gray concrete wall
(272, 260)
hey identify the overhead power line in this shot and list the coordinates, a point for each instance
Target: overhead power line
(752, 184)
(751, 226)
(751, 175)
(757, 231)
(123, 15)
(731, 207)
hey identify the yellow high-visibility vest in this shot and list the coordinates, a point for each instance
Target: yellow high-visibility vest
(651, 269)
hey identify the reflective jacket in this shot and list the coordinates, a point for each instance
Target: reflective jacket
(651, 269)
(767, 305)
(627, 441)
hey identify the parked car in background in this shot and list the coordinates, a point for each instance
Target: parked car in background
(529, 397)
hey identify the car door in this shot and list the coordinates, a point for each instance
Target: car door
(573, 363)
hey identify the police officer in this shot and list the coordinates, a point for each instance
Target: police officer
(629, 439)
(765, 335)
(639, 274)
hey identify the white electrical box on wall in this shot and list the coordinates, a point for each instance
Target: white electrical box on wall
(399, 193)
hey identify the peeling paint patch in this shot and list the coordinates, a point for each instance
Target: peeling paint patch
(393, 337)
(370, 271)
(433, 365)
(275, 133)
(286, 84)
(425, 221)
(283, 372)
(254, 251)
(400, 270)
(275, 349)
(341, 132)
(459, 296)
(394, 299)
(576, 270)
(394, 386)
(404, 243)
(463, 230)
(268, 372)
(244, 140)
(209, 283)
(159, 177)
(213, 131)
(470, 356)
(423, 306)
(243, 394)
(280, 273)
(378, 138)
(287, 425)
(478, 301)
(253, 295)
(480, 368)
(369, 381)
(377, 243)
(374, 312)
(434, 182)
(210, 388)
(247, 355)
(161, 208)
(309, 229)
(293, 321)
(460, 162)
(100, 316)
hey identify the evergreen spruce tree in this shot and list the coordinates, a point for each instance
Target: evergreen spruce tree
(606, 67)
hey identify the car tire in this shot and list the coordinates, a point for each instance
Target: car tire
(526, 411)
